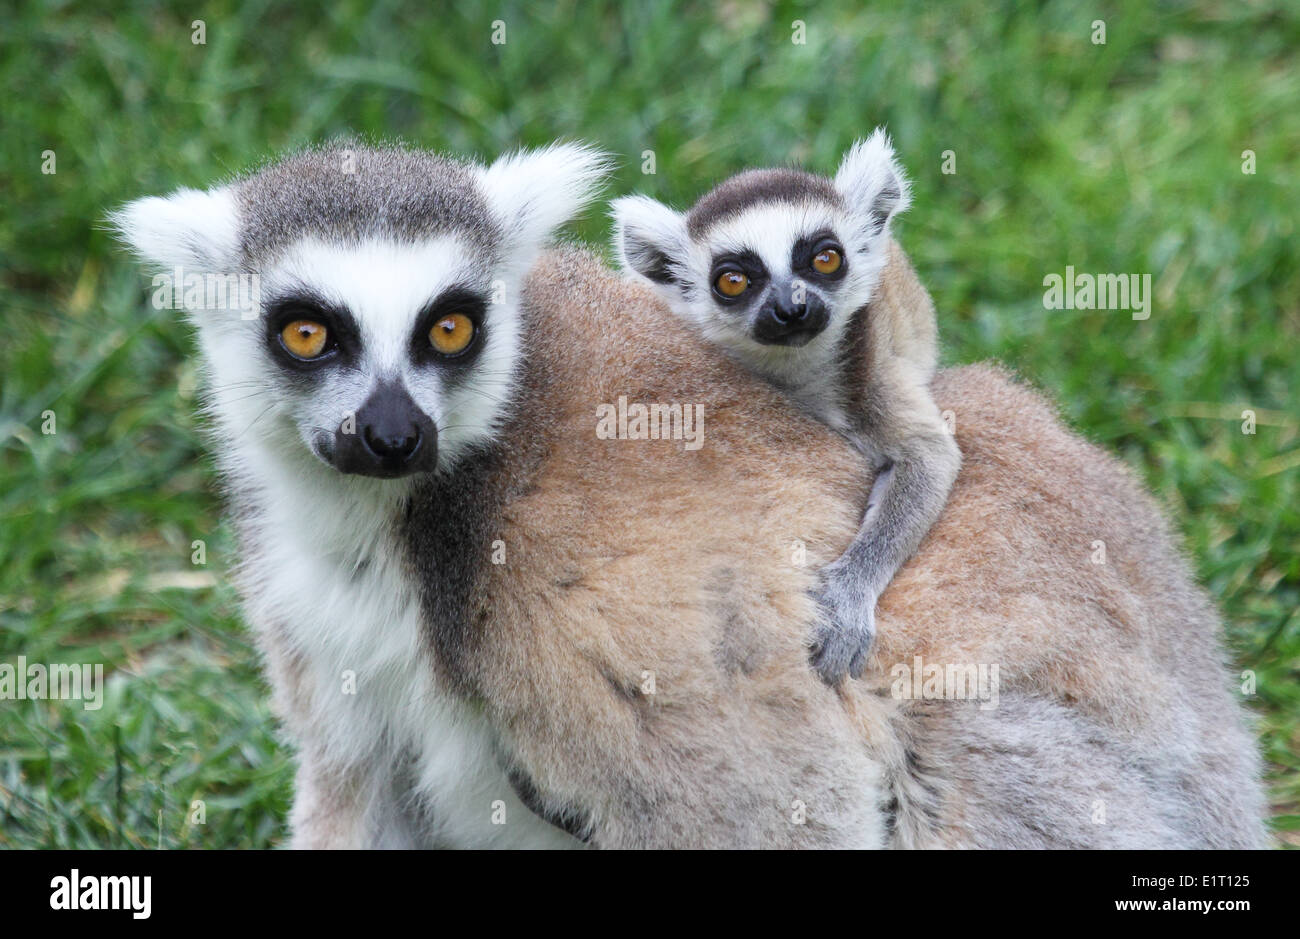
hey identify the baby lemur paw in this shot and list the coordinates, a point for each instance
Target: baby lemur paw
(844, 633)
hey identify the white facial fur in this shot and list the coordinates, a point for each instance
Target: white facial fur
(872, 190)
(771, 231)
(384, 286)
(383, 283)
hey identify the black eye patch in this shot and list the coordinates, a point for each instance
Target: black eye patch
(748, 263)
(463, 300)
(306, 304)
(808, 247)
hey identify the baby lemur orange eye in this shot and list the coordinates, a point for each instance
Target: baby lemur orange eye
(304, 338)
(452, 333)
(732, 283)
(827, 261)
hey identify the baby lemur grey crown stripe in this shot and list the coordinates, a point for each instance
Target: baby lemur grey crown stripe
(753, 187)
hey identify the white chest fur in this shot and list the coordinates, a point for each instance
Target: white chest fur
(330, 578)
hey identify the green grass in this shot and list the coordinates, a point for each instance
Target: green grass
(1123, 157)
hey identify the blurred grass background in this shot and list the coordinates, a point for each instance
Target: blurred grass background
(1122, 157)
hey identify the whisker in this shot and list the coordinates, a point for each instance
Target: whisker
(254, 421)
(247, 397)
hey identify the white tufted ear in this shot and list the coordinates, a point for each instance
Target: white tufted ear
(534, 192)
(650, 239)
(188, 229)
(872, 182)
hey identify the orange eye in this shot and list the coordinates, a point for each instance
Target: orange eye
(732, 283)
(452, 333)
(827, 261)
(304, 338)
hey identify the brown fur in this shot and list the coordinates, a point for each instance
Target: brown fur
(622, 561)
(899, 326)
(627, 557)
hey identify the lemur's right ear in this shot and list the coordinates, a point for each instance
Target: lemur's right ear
(189, 229)
(650, 239)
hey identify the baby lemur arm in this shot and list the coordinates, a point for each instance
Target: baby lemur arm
(898, 425)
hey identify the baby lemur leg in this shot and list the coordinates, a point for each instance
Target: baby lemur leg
(906, 499)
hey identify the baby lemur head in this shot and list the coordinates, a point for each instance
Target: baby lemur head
(772, 263)
(368, 306)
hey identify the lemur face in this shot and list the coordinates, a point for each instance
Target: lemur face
(776, 272)
(383, 354)
(383, 334)
(771, 261)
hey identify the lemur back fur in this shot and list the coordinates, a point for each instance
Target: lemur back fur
(1114, 701)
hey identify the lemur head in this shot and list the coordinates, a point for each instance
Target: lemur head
(369, 315)
(772, 263)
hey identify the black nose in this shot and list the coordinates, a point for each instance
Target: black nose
(396, 446)
(790, 313)
(390, 437)
(784, 321)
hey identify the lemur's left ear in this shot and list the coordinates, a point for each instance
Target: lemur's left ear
(189, 228)
(534, 192)
(872, 182)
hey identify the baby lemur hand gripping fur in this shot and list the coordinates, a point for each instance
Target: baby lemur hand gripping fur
(781, 268)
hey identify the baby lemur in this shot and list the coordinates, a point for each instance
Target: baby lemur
(779, 267)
